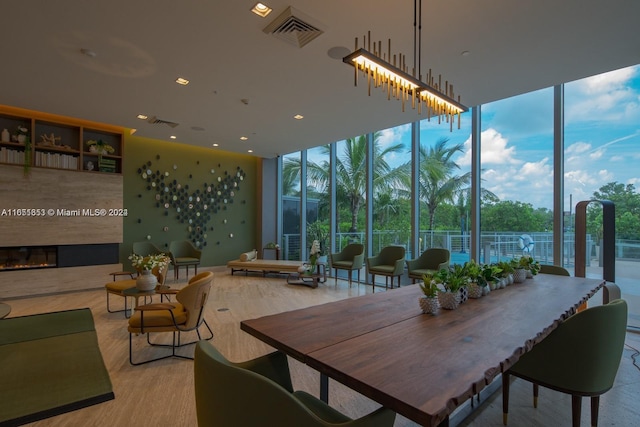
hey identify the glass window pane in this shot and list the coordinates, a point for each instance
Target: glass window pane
(444, 192)
(516, 216)
(318, 198)
(391, 188)
(350, 191)
(291, 207)
(601, 162)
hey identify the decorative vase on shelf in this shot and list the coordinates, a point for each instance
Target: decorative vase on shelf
(22, 138)
(5, 135)
(146, 281)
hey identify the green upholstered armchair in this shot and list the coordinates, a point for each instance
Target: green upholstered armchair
(580, 357)
(350, 258)
(259, 393)
(432, 260)
(389, 263)
(187, 314)
(145, 248)
(183, 253)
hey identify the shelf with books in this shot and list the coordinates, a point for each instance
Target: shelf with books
(58, 142)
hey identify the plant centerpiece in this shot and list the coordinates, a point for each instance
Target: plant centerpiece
(452, 280)
(491, 275)
(529, 265)
(99, 147)
(520, 272)
(145, 265)
(429, 301)
(476, 284)
(507, 272)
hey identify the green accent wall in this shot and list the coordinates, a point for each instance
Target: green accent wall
(174, 191)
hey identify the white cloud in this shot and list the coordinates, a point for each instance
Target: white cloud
(494, 150)
(598, 98)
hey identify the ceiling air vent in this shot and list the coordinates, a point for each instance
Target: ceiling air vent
(294, 27)
(156, 121)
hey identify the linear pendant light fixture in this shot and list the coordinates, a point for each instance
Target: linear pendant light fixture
(399, 83)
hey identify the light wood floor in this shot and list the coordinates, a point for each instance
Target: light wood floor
(161, 393)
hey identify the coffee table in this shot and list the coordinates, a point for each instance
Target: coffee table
(311, 280)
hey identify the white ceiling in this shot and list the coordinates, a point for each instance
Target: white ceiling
(142, 46)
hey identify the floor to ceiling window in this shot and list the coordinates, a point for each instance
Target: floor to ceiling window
(291, 206)
(351, 178)
(391, 188)
(444, 183)
(602, 137)
(318, 198)
(516, 156)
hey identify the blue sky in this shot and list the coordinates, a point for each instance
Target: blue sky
(602, 137)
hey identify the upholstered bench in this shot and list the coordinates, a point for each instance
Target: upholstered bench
(248, 261)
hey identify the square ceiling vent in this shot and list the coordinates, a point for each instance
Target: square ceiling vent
(294, 27)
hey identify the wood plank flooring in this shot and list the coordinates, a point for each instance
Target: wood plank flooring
(161, 393)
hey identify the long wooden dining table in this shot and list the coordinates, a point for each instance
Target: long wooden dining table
(423, 366)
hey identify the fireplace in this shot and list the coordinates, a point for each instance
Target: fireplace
(28, 257)
(36, 257)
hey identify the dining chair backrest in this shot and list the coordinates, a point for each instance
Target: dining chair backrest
(390, 254)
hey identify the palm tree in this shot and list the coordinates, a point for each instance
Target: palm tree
(438, 184)
(351, 173)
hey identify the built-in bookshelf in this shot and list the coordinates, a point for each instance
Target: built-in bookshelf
(58, 142)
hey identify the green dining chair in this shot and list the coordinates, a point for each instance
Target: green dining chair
(580, 357)
(350, 258)
(259, 393)
(389, 263)
(430, 261)
(554, 269)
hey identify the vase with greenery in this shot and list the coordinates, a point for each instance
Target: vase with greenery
(429, 300)
(148, 267)
(476, 284)
(452, 280)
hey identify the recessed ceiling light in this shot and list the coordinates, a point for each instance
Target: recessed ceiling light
(142, 117)
(243, 138)
(182, 81)
(298, 117)
(249, 151)
(465, 53)
(261, 9)
(172, 137)
(215, 144)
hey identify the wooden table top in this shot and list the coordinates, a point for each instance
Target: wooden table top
(423, 366)
(300, 332)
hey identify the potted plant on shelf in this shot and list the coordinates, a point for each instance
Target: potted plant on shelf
(429, 301)
(100, 147)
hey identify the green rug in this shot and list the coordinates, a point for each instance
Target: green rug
(50, 364)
